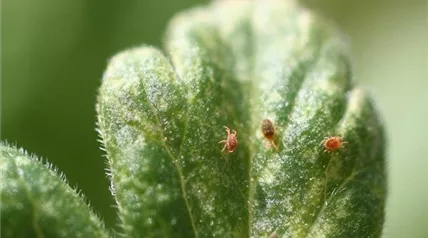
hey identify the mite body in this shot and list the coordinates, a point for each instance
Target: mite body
(269, 133)
(231, 141)
(273, 235)
(332, 143)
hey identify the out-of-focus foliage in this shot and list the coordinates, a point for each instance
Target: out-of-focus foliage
(54, 52)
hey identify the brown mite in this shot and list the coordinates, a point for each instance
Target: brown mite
(231, 141)
(273, 235)
(269, 133)
(332, 143)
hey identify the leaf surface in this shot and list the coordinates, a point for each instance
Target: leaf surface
(236, 63)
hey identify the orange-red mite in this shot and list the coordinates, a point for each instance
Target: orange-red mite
(332, 143)
(231, 141)
(269, 132)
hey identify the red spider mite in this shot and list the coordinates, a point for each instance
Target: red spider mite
(231, 141)
(332, 143)
(269, 132)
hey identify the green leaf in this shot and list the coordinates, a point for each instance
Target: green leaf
(36, 201)
(236, 63)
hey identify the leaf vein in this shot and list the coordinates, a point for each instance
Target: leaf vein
(174, 161)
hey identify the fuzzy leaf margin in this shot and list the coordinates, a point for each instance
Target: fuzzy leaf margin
(37, 202)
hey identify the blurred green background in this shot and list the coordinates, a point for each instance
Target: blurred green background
(53, 54)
